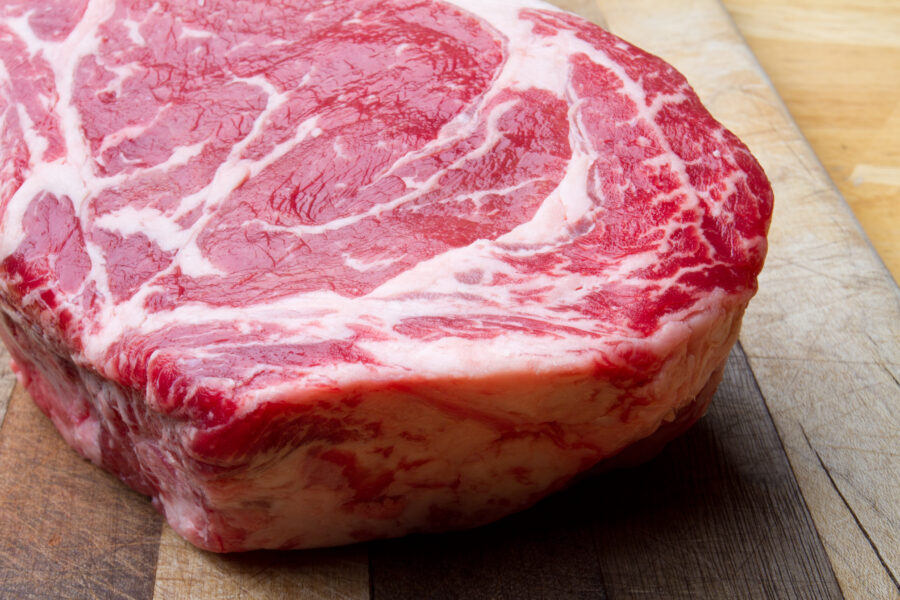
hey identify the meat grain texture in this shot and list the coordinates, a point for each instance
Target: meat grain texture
(311, 273)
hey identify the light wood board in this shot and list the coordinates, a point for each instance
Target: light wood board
(836, 65)
(718, 515)
(823, 334)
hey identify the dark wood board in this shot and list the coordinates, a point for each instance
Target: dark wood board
(69, 529)
(717, 515)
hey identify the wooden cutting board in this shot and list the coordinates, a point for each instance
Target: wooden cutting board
(788, 488)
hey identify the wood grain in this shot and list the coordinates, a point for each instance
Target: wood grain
(717, 515)
(185, 572)
(823, 334)
(836, 64)
(7, 382)
(69, 529)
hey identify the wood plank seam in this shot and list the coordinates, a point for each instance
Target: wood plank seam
(820, 457)
(850, 508)
(823, 176)
(702, 520)
(842, 96)
(822, 291)
(823, 173)
(787, 455)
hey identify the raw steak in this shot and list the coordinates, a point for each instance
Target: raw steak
(316, 272)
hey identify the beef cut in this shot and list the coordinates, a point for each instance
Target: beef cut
(315, 272)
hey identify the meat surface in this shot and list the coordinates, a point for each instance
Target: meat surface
(310, 273)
